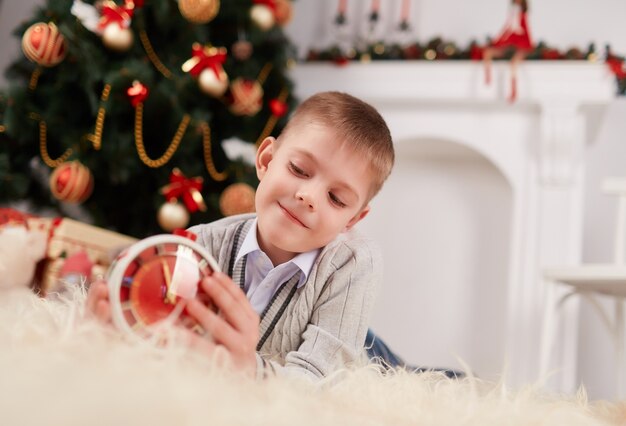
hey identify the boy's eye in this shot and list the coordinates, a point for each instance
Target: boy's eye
(297, 170)
(336, 200)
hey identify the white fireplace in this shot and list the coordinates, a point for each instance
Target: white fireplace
(485, 193)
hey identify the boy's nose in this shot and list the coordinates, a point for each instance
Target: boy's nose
(306, 199)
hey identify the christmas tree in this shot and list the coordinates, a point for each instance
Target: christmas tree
(124, 107)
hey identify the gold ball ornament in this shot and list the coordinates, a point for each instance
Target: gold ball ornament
(116, 38)
(71, 182)
(262, 16)
(199, 11)
(237, 198)
(172, 215)
(212, 84)
(284, 12)
(247, 97)
(43, 44)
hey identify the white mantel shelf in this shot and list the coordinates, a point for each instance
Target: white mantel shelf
(459, 81)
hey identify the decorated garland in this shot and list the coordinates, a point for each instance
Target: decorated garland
(508, 45)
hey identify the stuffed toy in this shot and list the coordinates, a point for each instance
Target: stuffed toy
(21, 249)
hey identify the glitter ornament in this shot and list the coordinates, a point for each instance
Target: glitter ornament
(237, 198)
(199, 11)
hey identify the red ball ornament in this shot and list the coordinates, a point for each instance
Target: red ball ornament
(237, 198)
(247, 97)
(43, 44)
(71, 182)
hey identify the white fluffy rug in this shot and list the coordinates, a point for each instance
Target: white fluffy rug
(58, 368)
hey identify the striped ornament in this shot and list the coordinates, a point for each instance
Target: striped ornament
(247, 97)
(44, 44)
(71, 182)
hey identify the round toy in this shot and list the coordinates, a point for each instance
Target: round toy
(151, 282)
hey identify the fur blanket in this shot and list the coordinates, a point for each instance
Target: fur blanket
(58, 368)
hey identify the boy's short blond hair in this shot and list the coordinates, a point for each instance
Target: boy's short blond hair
(356, 123)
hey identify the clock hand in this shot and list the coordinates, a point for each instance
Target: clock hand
(170, 296)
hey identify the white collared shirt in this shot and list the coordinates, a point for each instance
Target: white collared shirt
(262, 278)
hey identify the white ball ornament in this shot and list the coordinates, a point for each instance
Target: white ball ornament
(212, 84)
(117, 38)
(172, 215)
(262, 16)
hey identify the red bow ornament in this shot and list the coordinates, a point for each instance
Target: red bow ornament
(186, 188)
(137, 93)
(114, 14)
(203, 57)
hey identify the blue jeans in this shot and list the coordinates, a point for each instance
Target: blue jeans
(377, 350)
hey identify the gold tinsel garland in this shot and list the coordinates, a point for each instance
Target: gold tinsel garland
(43, 144)
(171, 149)
(96, 137)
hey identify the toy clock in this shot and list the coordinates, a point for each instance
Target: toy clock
(151, 281)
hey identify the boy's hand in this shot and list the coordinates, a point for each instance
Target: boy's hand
(235, 328)
(98, 301)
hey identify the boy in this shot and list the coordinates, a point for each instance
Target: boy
(300, 283)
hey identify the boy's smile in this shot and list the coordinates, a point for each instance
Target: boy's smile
(291, 216)
(312, 187)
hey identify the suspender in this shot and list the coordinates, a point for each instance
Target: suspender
(284, 294)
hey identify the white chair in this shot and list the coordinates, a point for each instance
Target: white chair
(589, 281)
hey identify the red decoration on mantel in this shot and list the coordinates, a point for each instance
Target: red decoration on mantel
(616, 65)
(515, 35)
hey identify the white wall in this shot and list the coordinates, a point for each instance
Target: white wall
(562, 23)
(440, 185)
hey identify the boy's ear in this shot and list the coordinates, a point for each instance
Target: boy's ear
(357, 218)
(264, 155)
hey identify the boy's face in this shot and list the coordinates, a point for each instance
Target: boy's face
(311, 189)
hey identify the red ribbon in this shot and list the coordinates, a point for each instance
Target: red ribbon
(186, 188)
(114, 14)
(269, 3)
(137, 93)
(203, 57)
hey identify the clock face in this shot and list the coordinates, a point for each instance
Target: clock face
(151, 281)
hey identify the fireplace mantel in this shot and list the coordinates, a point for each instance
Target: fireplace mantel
(538, 143)
(444, 82)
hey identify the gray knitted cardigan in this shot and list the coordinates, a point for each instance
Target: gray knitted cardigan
(320, 326)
